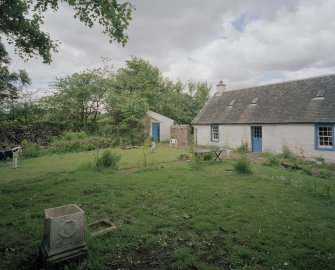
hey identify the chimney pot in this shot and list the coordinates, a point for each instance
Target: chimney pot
(220, 88)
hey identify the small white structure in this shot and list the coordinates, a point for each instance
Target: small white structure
(159, 126)
(173, 142)
(297, 114)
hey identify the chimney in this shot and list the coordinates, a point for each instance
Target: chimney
(220, 88)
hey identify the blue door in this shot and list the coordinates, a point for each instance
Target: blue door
(156, 132)
(256, 139)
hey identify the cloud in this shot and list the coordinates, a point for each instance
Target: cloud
(244, 43)
(294, 42)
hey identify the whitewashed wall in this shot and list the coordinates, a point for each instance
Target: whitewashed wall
(165, 124)
(298, 137)
(230, 136)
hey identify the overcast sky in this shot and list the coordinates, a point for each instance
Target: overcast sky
(244, 43)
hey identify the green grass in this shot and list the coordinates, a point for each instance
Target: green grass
(170, 215)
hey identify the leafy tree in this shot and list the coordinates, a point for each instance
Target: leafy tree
(183, 102)
(10, 82)
(27, 109)
(21, 20)
(140, 78)
(79, 98)
(128, 112)
(175, 100)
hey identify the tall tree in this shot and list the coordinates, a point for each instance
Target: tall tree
(21, 20)
(79, 98)
(141, 78)
(10, 82)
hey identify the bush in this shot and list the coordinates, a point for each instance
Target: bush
(71, 136)
(320, 160)
(243, 166)
(78, 141)
(272, 160)
(108, 159)
(324, 174)
(208, 156)
(287, 153)
(307, 171)
(243, 148)
(29, 149)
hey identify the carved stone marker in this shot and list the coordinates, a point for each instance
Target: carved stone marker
(63, 238)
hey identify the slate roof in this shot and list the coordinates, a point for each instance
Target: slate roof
(286, 102)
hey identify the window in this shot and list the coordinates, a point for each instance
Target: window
(214, 133)
(324, 136)
(232, 102)
(321, 93)
(255, 100)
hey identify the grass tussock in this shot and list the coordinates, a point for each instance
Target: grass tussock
(243, 166)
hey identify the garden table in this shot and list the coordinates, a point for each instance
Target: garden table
(217, 152)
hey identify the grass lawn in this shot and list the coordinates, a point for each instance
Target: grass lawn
(171, 216)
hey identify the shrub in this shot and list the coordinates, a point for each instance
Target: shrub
(307, 171)
(75, 145)
(71, 136)
(243, 148)
(108, 159)
(272, 160)
(324, 174)
(208, 156)
(243, 166)
(287, 153)
(29, 149)
(320, 160)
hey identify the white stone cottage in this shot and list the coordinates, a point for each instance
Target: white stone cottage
(158, 126)
(298, 114)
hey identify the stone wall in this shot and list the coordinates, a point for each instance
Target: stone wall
(37, 133)
(182, 133)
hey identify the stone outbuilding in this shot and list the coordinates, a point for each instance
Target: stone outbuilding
(182, 135)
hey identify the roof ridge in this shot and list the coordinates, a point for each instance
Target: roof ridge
(289, 81)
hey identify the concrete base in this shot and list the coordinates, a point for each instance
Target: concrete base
(52, 261)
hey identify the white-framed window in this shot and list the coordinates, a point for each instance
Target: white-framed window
(324, 137)
(215, 136)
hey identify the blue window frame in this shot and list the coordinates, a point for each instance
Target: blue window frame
(324, 137)
(215, 134)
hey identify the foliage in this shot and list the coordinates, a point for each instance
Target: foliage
(208, 156)
(243, 166)
(187, 100)
(287, 152)
(140, 79)
(307, 171)
(72, 136)
(76, 142)
(243, 148)
(29, 149)
(25, 109)
(10, 82)
(272, 160)
(320, 160)
(324, 174)
(79, 98)
(108, 159)
(129, 114)
(20, 22)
